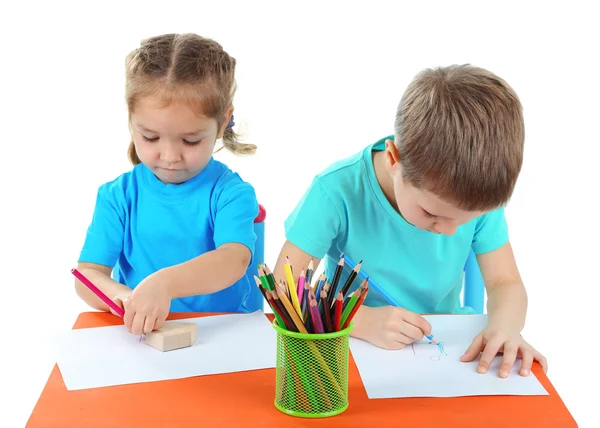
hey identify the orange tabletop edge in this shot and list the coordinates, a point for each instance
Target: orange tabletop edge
(246, 399)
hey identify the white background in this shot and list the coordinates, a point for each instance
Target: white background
(317, 82)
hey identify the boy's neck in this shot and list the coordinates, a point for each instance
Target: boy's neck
(384, 178)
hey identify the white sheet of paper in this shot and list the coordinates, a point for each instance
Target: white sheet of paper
(106, 356)
(426, 370)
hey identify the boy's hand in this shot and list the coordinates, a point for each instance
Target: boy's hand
(493, 340)
(390, 327)
(148, 306)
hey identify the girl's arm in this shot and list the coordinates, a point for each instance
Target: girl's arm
(208, 273)
(99, 275)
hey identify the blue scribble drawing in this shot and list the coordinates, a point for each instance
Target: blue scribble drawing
(425, 349)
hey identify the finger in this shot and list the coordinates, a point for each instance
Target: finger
(129, 317)
(404, 339)
(137, 327)
(119, 303)
(489, 352)
(418, 321)
(411, 332)
(526, 362)
(474, 349)
(160, 321)
(508, 359)
(149, 324)
(542, 360)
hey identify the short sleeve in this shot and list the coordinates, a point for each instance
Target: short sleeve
(315, 222)
(104, 239)
(236, 209)
(491, 232)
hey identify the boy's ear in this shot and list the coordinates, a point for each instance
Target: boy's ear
(392, 156)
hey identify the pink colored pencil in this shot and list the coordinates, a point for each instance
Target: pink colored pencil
(300, 290)
(98, 292)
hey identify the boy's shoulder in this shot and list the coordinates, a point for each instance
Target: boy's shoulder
(351, 168)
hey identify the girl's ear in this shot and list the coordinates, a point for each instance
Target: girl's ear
(392, 156)
(225, 122)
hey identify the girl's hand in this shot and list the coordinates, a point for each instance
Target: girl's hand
(493, 340)
(120, 299)
(390, 327)
(148, 306)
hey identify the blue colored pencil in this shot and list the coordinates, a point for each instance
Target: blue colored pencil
(379, 289)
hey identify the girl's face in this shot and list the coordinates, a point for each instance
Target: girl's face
(173, 141)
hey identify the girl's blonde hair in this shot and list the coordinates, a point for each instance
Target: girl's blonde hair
(184, 67)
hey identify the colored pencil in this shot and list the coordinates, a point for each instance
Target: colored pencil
(336, 279)
(349, 307)
(305, 299)
(316, 316)
(300, 287)
(98, 292)
(326, 313)
(292, 312)
(337, 317)
(270, 276)
(310, 271)
(284, 314)
(380, 290)
(351, 278)
(361, 299)
(263, 279)
(292, 285)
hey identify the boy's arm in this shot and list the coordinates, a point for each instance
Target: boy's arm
(507, 307)
(298, 259)
(99, 275)
(507, 298)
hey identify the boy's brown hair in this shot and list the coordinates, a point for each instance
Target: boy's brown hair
(185, 67)
(459, 131)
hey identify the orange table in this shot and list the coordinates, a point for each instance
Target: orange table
(246, 399)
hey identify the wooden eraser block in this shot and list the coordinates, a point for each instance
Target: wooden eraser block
(173, 335)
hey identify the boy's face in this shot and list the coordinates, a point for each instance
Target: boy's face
(173, 141)
(421, 208)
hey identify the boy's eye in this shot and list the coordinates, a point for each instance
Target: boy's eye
(150, 139)
(427, 214)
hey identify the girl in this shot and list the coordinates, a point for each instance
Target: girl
(178, 228)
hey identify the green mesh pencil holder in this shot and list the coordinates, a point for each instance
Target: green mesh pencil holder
(312, 372)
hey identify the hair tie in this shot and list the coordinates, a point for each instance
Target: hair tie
(231, 123)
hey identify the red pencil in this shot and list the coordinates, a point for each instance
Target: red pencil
(337, 320)
(98, 292)
(326, 313)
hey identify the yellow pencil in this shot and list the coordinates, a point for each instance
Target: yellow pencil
(292, 313)
(292, 286)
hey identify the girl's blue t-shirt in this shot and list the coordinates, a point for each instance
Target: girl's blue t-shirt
(141, 225)
(346, 211)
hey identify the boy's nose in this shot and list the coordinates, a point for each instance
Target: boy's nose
(447, 228)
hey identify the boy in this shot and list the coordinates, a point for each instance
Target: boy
(412, 207)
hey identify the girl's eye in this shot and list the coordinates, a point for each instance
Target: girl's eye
(191, 143)
(150, 140)
(429, 215)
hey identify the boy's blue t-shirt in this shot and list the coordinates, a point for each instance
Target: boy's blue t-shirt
(141, 225)
(346, 211)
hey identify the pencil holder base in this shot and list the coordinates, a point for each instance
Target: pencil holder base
(312, 373)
